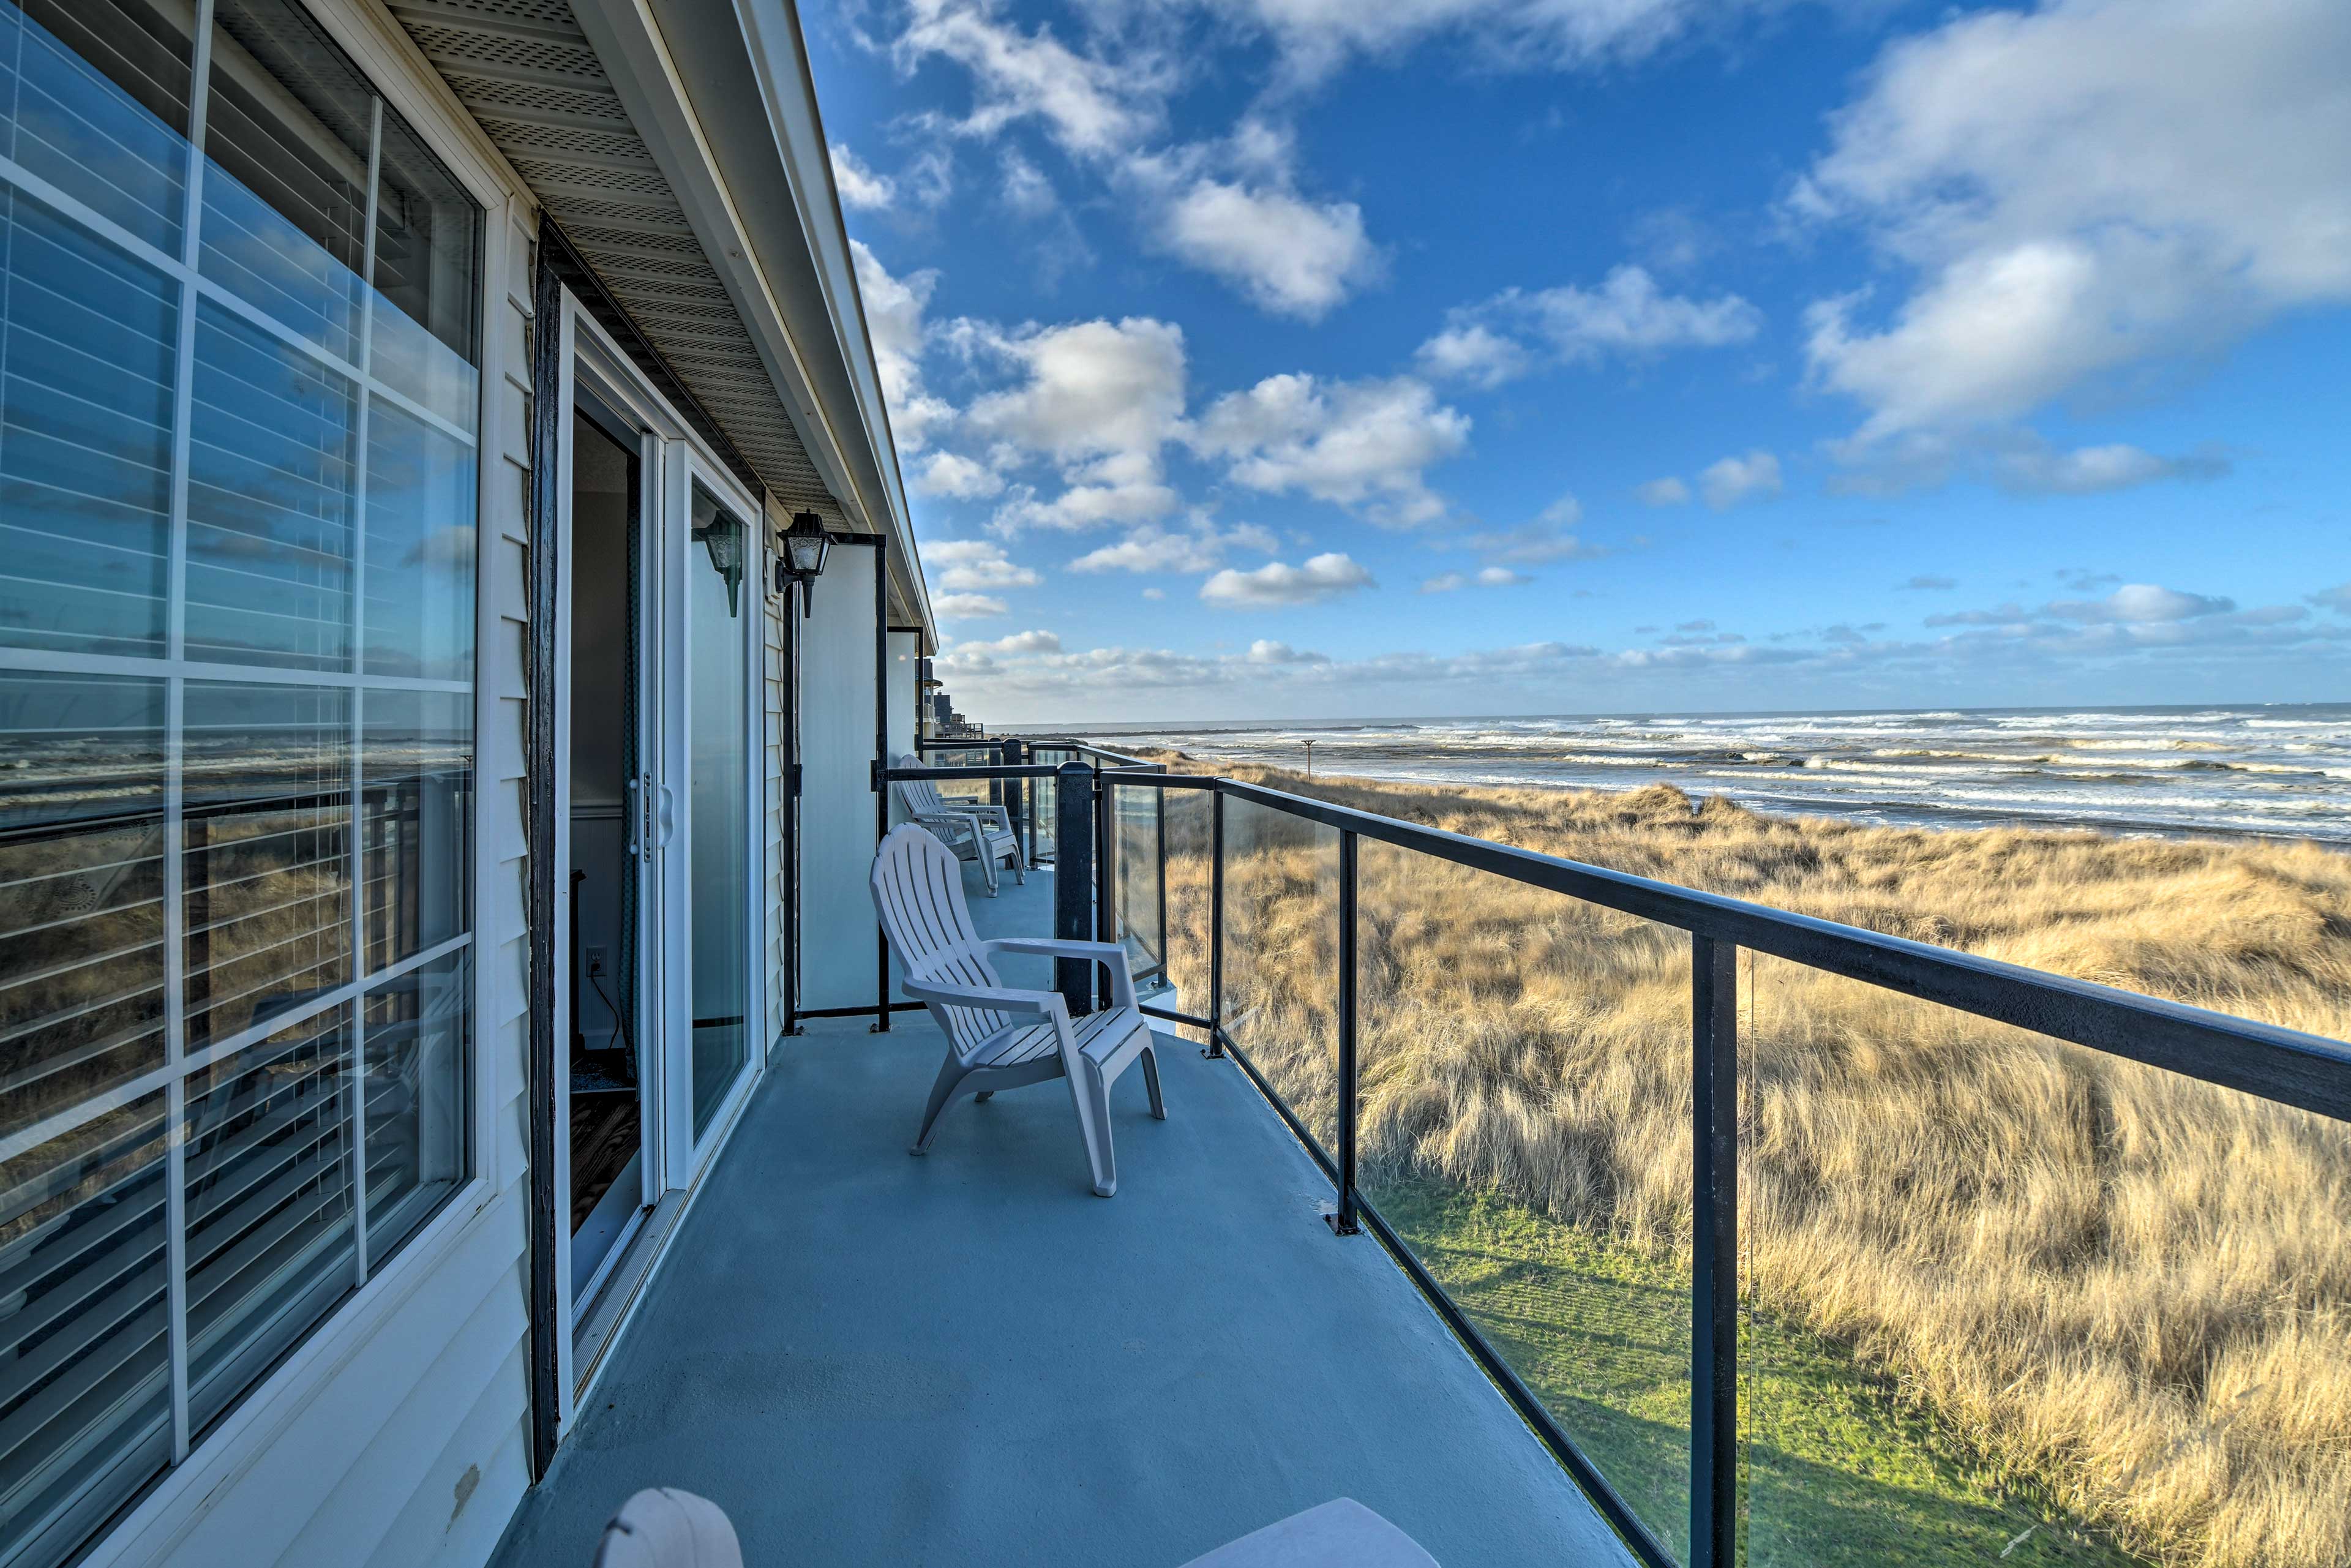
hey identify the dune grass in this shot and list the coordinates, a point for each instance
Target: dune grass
(2126, 1295)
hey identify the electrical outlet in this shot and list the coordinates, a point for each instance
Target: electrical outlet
(596, 960)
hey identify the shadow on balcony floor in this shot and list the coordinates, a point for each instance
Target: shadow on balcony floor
(968, 1359)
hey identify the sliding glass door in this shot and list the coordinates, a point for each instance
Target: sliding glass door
(719, 606)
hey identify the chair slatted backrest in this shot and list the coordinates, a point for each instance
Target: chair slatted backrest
(919, 796)
(918, 894)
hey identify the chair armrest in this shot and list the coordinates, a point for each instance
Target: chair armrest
(1110, 955)
(951, 825)
(1002, 999)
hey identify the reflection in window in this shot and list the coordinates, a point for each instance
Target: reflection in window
(270, 480)
(417, 799)
(719, 741)
(85, 1382)
(81, 890)
(419, 549)
(269, 1204)
(416, 1072)
(250, 744)
(85, 439)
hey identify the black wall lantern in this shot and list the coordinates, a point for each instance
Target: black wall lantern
(802, 560)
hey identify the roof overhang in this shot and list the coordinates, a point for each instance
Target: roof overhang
(722, 96)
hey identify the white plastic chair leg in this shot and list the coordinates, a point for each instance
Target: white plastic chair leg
(1090, 1095)
(951, 1074)
(1151, 1082)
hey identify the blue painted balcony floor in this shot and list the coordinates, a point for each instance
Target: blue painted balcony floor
(867, 1358)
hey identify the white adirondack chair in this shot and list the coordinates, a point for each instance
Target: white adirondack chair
(974, 829)
(997, 1037)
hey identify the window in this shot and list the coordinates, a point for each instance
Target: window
(238, 402)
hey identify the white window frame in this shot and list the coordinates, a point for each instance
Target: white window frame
(153, 1526)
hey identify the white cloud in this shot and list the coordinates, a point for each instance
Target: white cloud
(1547, 538)
(894, 319)
(1229, 207)
(2010, 456)
(1090, 106)
(973, 564)
(1026, 190)
(1265, 651)
(2337, 598)
(966, 606)
(1317, 37)
(1323, 577)
(1083, 506)
(1488, 577)
(1361, 444)
(1091, 387)
(1101, 399)
(1019, 643)
(1665, 492)
(1290, 255)
(1627, 316)
(2080, 189)
(2035, 468)
(950, 474)
(1755, 476)
(860, 188)
(1154, 594)
(1474, 353)
(1199, 548)
(2140, 603)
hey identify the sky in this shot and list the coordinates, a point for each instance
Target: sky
(1307, 359)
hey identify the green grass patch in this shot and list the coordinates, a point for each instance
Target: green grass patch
(1838, 1473)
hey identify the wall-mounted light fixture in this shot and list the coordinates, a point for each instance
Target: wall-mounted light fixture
(722, 537)
(801, 559)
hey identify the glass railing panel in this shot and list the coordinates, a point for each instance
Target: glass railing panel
(1140, 893)
(2007, 1299)
(1281, 956)
(977, 789)
(1524, 1126)
(1186, 826)
(1044, 811)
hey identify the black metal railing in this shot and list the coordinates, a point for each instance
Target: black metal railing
(2283, 1066)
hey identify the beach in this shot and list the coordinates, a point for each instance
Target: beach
(2267, 771)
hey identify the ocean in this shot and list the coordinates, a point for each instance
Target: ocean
(2278, 771)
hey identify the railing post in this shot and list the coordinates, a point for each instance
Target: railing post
(1016, 798)
(1105, 872)
(1216, 924)
(1343, 1221)
(1714, 1273)
(1074, 880)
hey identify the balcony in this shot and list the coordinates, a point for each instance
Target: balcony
(1741, 1230)
(968, 1358)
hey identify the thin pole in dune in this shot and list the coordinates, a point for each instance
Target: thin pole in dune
(1310, 760)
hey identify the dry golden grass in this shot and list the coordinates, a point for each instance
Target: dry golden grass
(2129, 1290)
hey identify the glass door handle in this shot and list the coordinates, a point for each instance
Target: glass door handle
(668, 816)
(636, 834)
